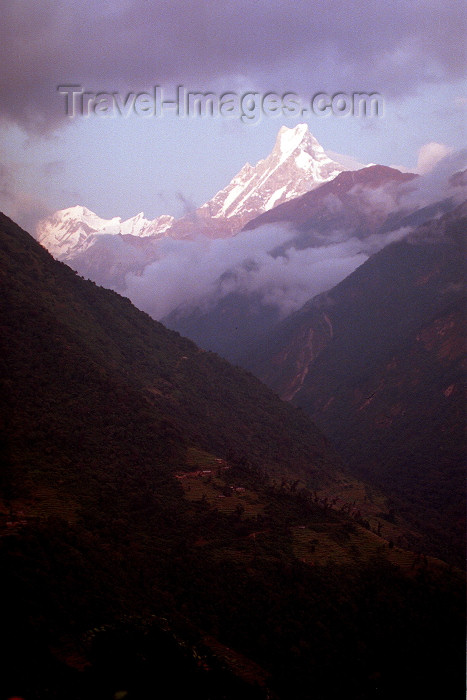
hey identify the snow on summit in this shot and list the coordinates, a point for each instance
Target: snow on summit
(71, 231)
(297, 164)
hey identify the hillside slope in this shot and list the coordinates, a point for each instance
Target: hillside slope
(378, 362)
(161, 522)
(67, 332)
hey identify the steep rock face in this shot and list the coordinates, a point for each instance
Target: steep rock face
(296, 165)
(292, 363)
(387, 385)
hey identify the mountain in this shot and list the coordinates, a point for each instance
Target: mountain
(378, 362)
(70, 232)
(167, 521)
(297, 164)
(226, 288)
(357, 202)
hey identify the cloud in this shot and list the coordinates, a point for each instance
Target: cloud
(270, 261)
(348, 162)
(6, 182)
(436, 184)
(198, 273)
(209, 44)
(53, 168)
(376, 200)
(24, 208)
(430, 154)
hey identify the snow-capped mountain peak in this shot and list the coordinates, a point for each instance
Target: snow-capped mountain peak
(309, 155)
(71, 231)
(297, 164)
(288, 140)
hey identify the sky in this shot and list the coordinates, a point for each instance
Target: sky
(120, 161)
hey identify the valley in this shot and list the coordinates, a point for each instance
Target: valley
(166, 518)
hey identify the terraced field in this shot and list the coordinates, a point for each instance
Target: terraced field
(341, 543)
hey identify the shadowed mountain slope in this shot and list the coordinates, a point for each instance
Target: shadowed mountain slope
(163, 522)
(379, 363)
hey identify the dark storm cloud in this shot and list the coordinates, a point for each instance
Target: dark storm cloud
(305, 46)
